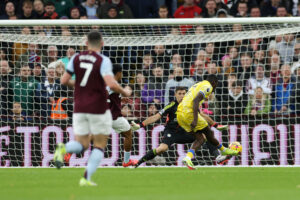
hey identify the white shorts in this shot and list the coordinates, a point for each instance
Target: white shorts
(85, 123)
(121, 125)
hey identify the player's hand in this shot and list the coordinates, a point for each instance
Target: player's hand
(127, 92)
(135, 126)
(194, 124)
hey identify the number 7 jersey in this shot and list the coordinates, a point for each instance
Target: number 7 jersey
(186, 104)
(90, 95)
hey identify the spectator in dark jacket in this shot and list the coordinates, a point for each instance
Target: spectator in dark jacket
(50, 11)
(236, 100)
(39, 9)
(123, 10)
(142, 9)
(27, 11)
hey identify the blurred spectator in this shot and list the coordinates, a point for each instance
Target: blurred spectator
(242, 9)
(281, 12)
(62, 7)
(286, 48)
(199, 70)
(142, 9)
(23, 88)
(127, 112)
(3, 55)
(259, 57)
(32, 55)
(27, 10)
(236, 101)
(210, 9)
(297, 12)
(178, 80)
(69, 53)
(246, 69)
(52, 55)
(176, 61)
(275, 69)
(284, 101)
(222, 13)
(227, 67)
(75, 13)
(17, 114)
(187, 10)
(5, 78)
(60, 69)
(211, 69)
(259, 80)
(10, 11)
(112, 13)
(296, 57)
(140, 82)
(147, 64)
(45, 91)
(152, 109)
(259, 103)
(211, 54)
(269, 8)
(123, 10)
(91, 8)
(255, 12)
(38, 7)
(161, 55)
(139, 108)
(154, 90)
(163, 12)
(233, 5)
(234, 56)
(50, 11)
(62, 106)
(39, 73)
(21, 48)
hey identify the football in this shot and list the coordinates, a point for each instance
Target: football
(236, 146)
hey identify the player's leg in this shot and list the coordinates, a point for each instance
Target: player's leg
(220, 159)
(167, 141)
(80, 144)
(100, 126)
(121, 125)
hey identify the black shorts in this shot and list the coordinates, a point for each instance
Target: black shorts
(177, 136)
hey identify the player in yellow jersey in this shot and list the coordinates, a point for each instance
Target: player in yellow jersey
(190, 120)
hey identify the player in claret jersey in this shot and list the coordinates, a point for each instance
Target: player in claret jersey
(91, 112)
(120, 124)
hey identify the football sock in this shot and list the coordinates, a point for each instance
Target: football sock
(126, 156)
(191, 153)
(93, 162)
(74, 147)
(149, 156)
(221, 147)
(212, 149)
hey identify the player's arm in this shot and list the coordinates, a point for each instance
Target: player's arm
(146, 122)
(66, 78)
(108, 77)
(212, 123)
(196, 102)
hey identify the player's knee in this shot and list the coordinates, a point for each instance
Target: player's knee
(162, 148)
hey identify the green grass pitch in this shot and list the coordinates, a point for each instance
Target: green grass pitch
(152, 183)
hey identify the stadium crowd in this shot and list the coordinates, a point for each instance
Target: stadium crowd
(257, 76)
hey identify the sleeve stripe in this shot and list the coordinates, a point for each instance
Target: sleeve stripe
(202, 93)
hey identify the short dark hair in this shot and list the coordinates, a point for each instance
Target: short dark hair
(212, 78)
(49, 3)
(94, 37)
(117, 68)
(163, 7)
(179, 88)
(27, 2)
(237, 83)
(255, 7)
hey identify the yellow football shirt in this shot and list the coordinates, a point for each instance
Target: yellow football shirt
(203, 87)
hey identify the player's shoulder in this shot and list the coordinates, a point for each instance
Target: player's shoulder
(105, 59)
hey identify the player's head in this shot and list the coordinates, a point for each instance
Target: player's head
(179, 93)
(94, 40)
(213, 79)
(117, 70)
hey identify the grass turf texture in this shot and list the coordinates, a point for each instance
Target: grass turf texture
(152, 183)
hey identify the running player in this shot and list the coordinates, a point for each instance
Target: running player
(120, 124)
(191, 121)
(91, 112)
(173, 133)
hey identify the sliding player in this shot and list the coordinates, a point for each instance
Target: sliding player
(91, 112)
(173, 133)
(191, 121)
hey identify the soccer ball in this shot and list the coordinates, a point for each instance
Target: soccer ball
(236, 146)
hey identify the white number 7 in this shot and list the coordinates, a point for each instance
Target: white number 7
(88, 67)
